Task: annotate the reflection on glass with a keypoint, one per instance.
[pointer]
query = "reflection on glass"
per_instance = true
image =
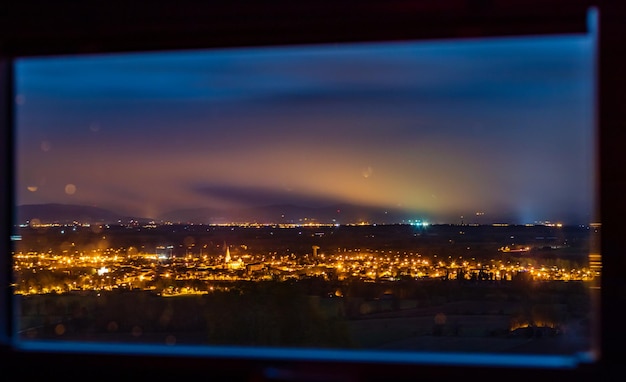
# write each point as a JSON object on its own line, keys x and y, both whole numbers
{"x": 398, "y": 196}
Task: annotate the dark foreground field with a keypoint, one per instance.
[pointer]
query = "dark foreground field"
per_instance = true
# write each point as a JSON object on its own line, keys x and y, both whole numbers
{"x": 538, "y": 318}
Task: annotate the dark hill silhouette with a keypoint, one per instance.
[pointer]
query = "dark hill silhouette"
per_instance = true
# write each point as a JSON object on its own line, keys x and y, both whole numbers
{"x": 66, "y": 213}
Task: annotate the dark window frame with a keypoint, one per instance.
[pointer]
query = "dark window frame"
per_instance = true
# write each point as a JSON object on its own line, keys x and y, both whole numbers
{"x": 32, "y": 28}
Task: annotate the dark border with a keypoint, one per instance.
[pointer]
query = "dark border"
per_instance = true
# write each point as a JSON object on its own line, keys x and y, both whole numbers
{"x": 31, "y": 28}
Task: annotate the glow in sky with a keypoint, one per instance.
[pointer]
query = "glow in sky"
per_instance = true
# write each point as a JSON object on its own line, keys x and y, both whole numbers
{"x": 443, "y": 128}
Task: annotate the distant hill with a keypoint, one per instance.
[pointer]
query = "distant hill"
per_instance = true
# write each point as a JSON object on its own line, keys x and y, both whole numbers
{"x": 66, "y": 213}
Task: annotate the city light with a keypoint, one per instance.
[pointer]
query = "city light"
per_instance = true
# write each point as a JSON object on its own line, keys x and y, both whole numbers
{"x": 140, "y": 269}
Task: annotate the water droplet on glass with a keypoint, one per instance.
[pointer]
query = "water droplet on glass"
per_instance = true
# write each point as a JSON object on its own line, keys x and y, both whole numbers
{"x": 45, "y": 146}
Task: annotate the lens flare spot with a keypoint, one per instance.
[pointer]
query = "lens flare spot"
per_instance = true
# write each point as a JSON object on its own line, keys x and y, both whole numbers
{"x": 59, "y": 330}
{"x": 367, "y": 172}
{"x": 112, "y": 326}
{"x": 70, "y": 189}
{"x": 45, "y": 146}
{"x": 32, "y": 188}
{"x": 137, "y": 331}
{"x": 440, "y": 318}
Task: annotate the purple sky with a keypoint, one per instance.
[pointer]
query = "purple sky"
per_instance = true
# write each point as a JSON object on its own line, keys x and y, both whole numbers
{"x": 442, "y": 128}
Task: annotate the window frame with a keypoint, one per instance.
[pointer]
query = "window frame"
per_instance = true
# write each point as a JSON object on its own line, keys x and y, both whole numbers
{"x": 30, "y": 28}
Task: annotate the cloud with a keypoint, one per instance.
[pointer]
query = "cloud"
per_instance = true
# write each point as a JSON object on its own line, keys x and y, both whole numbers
{"x": 259, "y": 196}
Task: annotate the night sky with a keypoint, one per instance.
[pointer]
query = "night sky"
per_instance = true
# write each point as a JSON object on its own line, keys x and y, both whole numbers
{"x": 443, "y": 128}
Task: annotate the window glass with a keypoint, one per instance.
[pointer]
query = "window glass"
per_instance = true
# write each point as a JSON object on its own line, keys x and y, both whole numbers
{"x": 406, "y": 196}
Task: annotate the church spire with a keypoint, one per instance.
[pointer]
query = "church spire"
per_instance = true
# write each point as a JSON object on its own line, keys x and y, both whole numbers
{"x": 227, "y": 258}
